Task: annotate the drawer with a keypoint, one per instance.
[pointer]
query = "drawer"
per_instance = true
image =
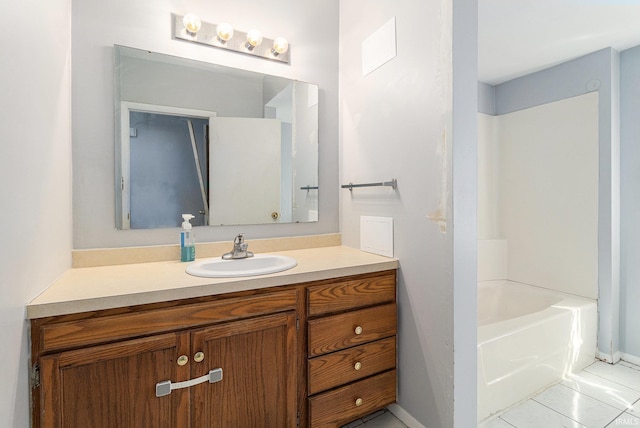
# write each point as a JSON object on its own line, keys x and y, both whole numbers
{"x": 331, "y": 370}
{"x": 336, "y": 332}
{"x": 350, "y": 294}
{"x": 350, "y": 402}
{"x": 92, "y": 331}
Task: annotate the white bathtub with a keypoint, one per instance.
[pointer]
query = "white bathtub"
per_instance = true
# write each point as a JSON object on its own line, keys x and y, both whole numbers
{"x": 528, "y": 338}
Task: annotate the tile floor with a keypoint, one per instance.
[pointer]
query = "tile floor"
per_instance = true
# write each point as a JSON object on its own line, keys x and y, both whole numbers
{"x": 602, "y": 395}
{"x": 381, "y": 419}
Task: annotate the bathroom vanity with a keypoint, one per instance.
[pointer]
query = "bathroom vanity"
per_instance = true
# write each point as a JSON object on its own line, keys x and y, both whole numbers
{"x": 313, "y": 346}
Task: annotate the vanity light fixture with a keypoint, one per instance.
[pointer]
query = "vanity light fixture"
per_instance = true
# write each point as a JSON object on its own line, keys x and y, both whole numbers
{"x": 224, "y": 36}
{"x": 280, "y": 46}
{"x": 224, "y": 32}
{"x": 254, "y": 39}
{"x": 191, "y": 23}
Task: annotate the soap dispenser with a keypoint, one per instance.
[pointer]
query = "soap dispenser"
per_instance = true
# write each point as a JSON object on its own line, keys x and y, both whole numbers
{"x": 187, "y": 241}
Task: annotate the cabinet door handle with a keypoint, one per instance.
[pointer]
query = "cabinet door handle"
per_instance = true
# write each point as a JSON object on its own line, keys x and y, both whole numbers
{"x": 166, "y": 386}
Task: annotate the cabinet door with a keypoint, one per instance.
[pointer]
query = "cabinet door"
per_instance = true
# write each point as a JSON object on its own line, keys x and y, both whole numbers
{"x": 258, "y": 386}
{"x": 115, "y": 385}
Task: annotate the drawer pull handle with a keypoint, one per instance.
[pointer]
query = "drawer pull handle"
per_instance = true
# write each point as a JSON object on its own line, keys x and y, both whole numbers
{"x": 358, "y": 330}
{"x": 198, "y": 357}
{"x": 358, "y": 402}
{"x": 182, "y": 360}
{"x": 357, "y": 365}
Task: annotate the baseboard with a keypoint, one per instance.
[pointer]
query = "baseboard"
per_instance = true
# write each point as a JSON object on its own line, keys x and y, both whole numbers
{"x": 630, "y": 359}
{"x": 607, "y": 357}
{"x": 404, "y": 416}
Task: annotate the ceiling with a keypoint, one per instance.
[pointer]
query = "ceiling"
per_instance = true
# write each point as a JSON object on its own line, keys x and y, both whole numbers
{"x": 518, "y": 37}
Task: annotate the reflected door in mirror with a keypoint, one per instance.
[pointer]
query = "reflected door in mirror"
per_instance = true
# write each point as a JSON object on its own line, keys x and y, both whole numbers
{"x": 244, "y": 173}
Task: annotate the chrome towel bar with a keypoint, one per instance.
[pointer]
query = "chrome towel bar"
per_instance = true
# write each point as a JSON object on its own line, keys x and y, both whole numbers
{"x": 393, "y": 184}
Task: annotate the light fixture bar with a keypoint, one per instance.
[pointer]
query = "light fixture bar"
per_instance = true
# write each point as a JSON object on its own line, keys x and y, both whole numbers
{"x": 207, "y": 35}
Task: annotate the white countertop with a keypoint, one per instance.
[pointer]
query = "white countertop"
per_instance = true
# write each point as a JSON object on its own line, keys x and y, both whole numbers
{"x": 106, "y": 287}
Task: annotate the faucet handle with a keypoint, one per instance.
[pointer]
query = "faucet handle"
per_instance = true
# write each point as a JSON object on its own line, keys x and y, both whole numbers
{"x": 239, "y": 240}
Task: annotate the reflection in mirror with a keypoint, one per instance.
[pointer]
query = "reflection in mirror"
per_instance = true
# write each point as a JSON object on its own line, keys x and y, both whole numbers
{"x": 226, "y": 145}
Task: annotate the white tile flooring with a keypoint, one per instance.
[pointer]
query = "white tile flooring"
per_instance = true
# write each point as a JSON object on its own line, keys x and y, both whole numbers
{"x": 602, "y": 395}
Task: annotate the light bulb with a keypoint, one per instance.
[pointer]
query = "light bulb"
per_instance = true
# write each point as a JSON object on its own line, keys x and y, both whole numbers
{"x": 224, "y": 32}
{"x": 280, "y": 46}
{"x": 254, "y": 38}
{"x": 191, "y": 22}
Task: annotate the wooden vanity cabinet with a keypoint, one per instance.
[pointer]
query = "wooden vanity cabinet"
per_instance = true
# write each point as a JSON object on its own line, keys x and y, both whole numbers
{"x": 351, "y": 348}
{"x": 104, "y": 375}
{"x": 283, "y": 357}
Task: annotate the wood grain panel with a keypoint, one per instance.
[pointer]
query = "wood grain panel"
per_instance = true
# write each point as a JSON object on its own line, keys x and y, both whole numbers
{"x": 259, "y": 384}
{"x": 338, "y": 407}
{"x": 358, "y": 292}
{"x": 114, "y": 385}
{"x": 336, "y": 332}
{"x": 331, "y": 370}
{"x": 105, "y": 329}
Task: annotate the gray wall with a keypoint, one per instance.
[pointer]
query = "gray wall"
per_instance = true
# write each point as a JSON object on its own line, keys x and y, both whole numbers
{"x": 35, "y": 179}
{"x": 145, "y": 81}
{"x": 486, "y": 98}
{"x": 312, "y": 29}
{"x": 596, "y": 71}
{"x": 630, "y": 202}
{"x": 465, "y": 211}
{"x": 414, "y": 119}
{"x": 557, "y": 83}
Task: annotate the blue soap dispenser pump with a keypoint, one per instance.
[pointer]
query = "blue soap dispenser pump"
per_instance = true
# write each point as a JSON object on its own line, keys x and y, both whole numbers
{"x": 187, "y": 241}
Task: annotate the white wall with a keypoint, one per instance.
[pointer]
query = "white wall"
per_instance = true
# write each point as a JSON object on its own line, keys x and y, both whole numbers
{"x": 312, "y": 30}
{"x": 488, "y": 177}
{"x": 548, "y": 194}
{"x": 400, "y": 122}
{"x": 35, "y": 178}
{"x": 492, "y": 247}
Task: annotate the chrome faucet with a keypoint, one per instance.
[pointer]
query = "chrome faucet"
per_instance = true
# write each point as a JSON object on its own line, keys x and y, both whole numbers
{"x": 239, "y": 249}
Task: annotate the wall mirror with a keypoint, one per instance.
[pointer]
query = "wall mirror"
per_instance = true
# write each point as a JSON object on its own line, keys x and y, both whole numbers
{"x": 226, "y": 145}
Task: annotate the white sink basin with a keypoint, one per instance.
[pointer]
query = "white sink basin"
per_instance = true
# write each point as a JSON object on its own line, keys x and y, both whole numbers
{"x": 260, "y": 264}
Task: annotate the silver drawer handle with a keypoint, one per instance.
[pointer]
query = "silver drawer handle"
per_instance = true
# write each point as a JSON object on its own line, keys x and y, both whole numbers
{"x": 166, "y": 386}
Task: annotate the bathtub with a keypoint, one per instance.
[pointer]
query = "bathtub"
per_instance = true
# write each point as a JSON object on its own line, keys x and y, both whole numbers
{"x": 528, "y": 338}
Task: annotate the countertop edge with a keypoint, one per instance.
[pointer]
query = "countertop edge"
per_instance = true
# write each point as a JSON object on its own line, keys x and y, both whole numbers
{"x": 49, "y": 309}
